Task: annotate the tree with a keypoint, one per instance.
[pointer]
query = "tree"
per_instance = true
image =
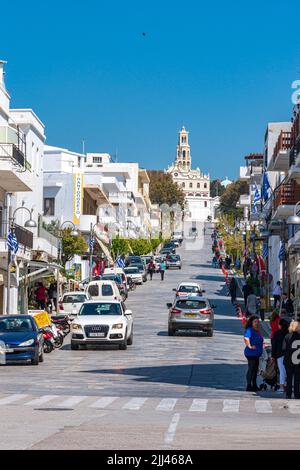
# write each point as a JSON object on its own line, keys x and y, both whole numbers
{"x": 231, "y": 196}
{"x": 216, "y": 189}
{"x": 163, "y": 190}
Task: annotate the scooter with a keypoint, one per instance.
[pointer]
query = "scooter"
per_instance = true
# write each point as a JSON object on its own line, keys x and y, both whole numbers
{"x": 48, "y": 340}
{"x": 58, "y": 336}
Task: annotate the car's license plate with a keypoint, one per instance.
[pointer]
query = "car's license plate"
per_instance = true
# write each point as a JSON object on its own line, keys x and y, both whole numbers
{"x": 96, "y": 335}
{"x": 9, "y": 350}
{"x": 190, "y": 315}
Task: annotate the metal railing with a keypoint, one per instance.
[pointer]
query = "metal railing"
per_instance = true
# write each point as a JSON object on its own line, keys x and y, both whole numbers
{"x": 24, "y": 237}
{"x": 11, "y": 151}
{"x": 286, "y": 194}
{"x": 284, "y": 142}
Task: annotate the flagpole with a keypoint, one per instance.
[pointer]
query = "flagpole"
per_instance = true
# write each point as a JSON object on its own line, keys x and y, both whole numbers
{"x": 10, "y": 227}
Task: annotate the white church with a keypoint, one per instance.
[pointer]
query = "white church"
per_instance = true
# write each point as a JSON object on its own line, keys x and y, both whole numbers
{"x": 195, "y": 185}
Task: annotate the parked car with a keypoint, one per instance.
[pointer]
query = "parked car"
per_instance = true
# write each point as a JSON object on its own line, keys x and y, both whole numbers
{"x": 142, "y": 270}
{"x": 104, "y": 290}
{"x": 164, "y": 252}
{"x": 146, "y": 260}
{"x": 133, "y": 259}
{"x": 102, "y": 322}
{"x": 188, "y": 288}
{"x": 174, "y": 261}
{"x": 22, "y": 338}
{"x": 119, "y": 271}
{"x": 133, "y": 273}
{"x": 117, "y": 278}
{"x": 71, "y": 302}
{"x": 191, "y": 313}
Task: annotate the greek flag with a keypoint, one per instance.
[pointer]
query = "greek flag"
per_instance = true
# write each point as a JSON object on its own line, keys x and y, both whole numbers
{"x": 91, "y": 243}
{"x": 265, "y": 189}
{"x": 120, "y": 263}
{"x": 265, "y": 251}
{"x": 256, "y": 200}
{"x": 281, "y": 253}
{"x": 12, "y": 242}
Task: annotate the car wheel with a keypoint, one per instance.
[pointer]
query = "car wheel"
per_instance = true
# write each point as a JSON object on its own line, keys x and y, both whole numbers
{"x": 179, "y": 267}
{"x": 130, "y": 339}
{"x": 41, "y": 357}
{"x": 74, "y": 346}
{"x": 35, "y": 361}
{"x": 171, "y": 331}
{"x": 123, "y": 346}
{"x": 210, "y": 333}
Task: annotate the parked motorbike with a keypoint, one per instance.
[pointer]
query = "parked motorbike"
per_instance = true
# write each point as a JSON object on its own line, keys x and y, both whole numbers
{"x": 131, "y": 284}
{"x": 58, "y": 335}
{"x": 63, "y": 321}
{"x": 48, "y": 340}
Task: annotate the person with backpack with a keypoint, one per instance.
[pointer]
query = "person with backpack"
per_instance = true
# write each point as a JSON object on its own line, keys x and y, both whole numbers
{"x": 151, "y": 268}
{"x": 278, "y": 353}
{"x": 253, "y": 351}
{"x": 291, "y": 348}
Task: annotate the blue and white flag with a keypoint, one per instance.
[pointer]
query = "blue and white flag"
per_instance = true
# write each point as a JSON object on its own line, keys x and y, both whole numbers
{"x": 120, "y": 263}
{"x": 281, "y": 253}
{"x": 265, "y": 188}
{"x": 265, "y": 251}
{"x": 91, "y": 243}
{"x": 256, "y": 199}
{"x": 12, "y": 242}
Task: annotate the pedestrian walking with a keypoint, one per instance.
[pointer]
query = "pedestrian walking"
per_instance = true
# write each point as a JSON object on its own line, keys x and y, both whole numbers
{"x": 151, "y": 269}
{"x": 277, "y": 293}
{"x": 274, "y": 322}
{"x": 252, "y": 304}
{"x": 246, "y": 291}
{"x": 287, "y": 304}
{"x": 278, "y": 352}
{"x": 215, "y": 262}
{"x": 262, "y": 307}
{"x": 291, "y": 348}
{"x": 238, "y": 264}
{"x": 41, "y": 296}
{"x": 162, "y": 269}
{"x": 253, "y": 350}
{"x": 233, "y": 290}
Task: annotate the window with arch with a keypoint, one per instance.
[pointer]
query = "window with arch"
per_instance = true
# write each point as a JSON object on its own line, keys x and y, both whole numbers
{"x": 198, "y": 185}
{"x": 191, "y": 185}
{"x": 205, "y": 203}
{"x": 205, "y": 185}
{"x": 183, "y": 154}
{"x": 183, "y": 185}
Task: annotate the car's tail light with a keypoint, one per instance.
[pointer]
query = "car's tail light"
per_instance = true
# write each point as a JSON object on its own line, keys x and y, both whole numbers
{"x": 205, "y": 311}
{"x": 175, "y": 310}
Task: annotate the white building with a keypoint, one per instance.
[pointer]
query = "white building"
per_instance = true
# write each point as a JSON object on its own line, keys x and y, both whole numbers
{"x": 194, "y": 183}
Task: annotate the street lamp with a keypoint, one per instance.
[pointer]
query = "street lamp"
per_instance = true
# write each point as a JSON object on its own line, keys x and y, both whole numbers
{"x": 74, "y": 233}
{"x": 91, "y": 245}
{"x": 294, "y": 219}
{"x": 30, "y": 223}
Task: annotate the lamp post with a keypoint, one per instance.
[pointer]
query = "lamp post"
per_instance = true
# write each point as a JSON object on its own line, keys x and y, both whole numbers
{"x": 30, "y": 223}
{"x": 74, "y": 233}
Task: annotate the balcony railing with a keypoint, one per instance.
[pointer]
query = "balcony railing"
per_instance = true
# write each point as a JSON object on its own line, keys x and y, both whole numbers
{"x": 287, "y": 194}
{"x": 11, "y": 151}
{"x": 284, "y": 142}
{"x": 43, "y": 233}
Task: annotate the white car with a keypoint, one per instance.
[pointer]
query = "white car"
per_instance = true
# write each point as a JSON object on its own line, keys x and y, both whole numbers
{"x": 71, "y": 302}
{"x": 188, "y": 288}
{"x": 134, "y": 274}
{"x": 103, "y": 290}
{"x": 102, "y": 322}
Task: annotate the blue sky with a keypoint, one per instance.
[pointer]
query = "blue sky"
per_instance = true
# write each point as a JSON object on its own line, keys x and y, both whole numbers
{"x": 223, "y": 69}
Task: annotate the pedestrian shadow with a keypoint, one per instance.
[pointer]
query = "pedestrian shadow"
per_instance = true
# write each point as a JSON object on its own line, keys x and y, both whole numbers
{"x": 218, "y": 376}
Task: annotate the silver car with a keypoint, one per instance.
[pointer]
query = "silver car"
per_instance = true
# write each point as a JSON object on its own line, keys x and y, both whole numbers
{"x": 191, "y": 313}
{"x": 174, "y": 261}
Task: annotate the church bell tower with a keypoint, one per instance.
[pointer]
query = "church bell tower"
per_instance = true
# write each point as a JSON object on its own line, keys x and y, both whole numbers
{"x": 183, "y": 155}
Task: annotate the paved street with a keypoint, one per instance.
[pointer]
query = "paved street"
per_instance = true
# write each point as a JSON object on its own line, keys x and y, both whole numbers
{"x": 182, "y": 392}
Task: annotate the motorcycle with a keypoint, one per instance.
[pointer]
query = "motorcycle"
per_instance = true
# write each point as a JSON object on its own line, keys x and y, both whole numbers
{"x": 64, "y": 322}
{"x": 58, "y": 335}
{"x": 48, "y": 340}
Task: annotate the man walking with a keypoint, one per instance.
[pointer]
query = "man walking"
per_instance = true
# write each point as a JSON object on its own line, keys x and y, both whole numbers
{"x": 162, "y": 269}
{"x": 277, "y": 293}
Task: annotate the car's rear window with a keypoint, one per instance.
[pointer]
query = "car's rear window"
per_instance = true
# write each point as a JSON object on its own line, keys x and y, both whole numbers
{"x": 107, "y": 290}
{"x": 133, "y": 270}
{"x": 74, "y": 299}
{"x": 193, "y": 289}
{"x": 93, "y": 290}
{"x": 191, "y": 304}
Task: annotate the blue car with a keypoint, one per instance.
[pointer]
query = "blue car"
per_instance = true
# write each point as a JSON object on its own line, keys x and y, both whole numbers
{"x": 20, "y": 339}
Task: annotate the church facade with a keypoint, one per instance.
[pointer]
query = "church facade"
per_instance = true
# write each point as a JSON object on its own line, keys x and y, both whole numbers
{"x": 195, "y": 185}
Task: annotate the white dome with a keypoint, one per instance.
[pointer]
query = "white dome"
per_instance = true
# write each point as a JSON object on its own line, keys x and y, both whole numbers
{"x": 226, "y": 182}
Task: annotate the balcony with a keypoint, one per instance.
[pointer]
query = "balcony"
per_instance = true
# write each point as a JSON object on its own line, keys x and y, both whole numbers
{"x": 244, "y": 173}
{"x": 284, "y": 199}
{"x": 280, "y": 160}
{"x": 24, "y": 237}
{"x": 122, "y": 197}
{"x": 13, "y": 165}
{"x": 256, "y": 172}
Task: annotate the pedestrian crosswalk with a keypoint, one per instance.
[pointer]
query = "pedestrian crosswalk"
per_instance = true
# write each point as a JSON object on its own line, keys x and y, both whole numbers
{"x": 164, "y": 405}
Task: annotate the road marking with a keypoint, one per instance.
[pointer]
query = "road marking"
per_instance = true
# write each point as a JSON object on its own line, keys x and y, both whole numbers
{"x": 294, "y": 408}
{"x": 135, "y": 403}
{"x": 12, "y": 399}
{"x": 199, "y": 405}
{"x": 170, "y": 434}
{"x": 103, "y": 402}
{"x": 231, "y": 406}
{"x": 72, "y": 401}
{"x": 41, "y": 400}
{"x": 263, "y": 406}
{"x": 166, "y": 404}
